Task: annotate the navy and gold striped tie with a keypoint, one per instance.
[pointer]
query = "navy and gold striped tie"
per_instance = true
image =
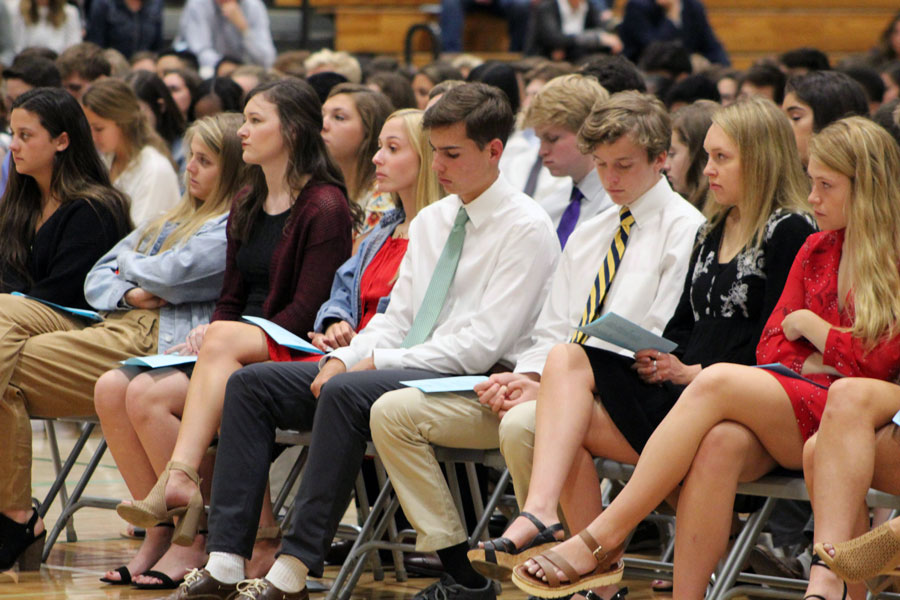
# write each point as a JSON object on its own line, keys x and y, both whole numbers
{"x": 606, "y": 274}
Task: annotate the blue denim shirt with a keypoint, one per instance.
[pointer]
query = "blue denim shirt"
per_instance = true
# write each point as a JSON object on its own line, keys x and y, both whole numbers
{"x": 343, "y": 304}
{"x": 188, "y": 277}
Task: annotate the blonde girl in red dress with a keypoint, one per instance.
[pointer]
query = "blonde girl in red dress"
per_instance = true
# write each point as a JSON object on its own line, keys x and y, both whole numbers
{"x": 836, "y": 317}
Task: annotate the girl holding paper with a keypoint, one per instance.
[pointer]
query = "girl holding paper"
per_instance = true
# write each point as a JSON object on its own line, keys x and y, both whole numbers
{"x": 58, "y": 215}
{"x": 287, "y": 235}
{"x": 836, "y": 317}
{"x": 362, "y": 285}
{"x": 169, "y": 273}
{"x": 594, "y": 402}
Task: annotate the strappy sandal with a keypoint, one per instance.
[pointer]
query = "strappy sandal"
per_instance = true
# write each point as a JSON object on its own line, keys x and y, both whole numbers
{"x": 872, "y": 557}
{"x": 152, "y": 510}
{"x": 606, "y": 572}
{"x": 497, "y": 557}
{"x": 818, "y": 562}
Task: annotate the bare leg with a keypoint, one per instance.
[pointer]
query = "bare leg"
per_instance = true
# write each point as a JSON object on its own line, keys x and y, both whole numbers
{"x": 568, "y": 419}
{"x": 722, "y": 392}
{"x": 843, "y": 461}
{"x": 131, "y": 458}
{"x": 227, "y": 346}
{"x": 728, "y": 454}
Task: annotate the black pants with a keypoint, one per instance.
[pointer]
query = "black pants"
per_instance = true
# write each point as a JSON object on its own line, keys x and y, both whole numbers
{"x": 266, "y": 396}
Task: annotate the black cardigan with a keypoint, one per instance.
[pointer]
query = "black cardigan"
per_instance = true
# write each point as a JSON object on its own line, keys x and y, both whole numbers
{"x": 64, "y": 249}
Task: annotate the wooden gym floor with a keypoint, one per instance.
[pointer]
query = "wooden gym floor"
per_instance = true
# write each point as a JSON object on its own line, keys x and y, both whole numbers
{"x": 73, "y": 569}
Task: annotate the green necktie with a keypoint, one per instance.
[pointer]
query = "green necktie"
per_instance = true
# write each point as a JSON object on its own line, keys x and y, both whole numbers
{"x": 440, "y": 282}
{"x": 605, "y": 276}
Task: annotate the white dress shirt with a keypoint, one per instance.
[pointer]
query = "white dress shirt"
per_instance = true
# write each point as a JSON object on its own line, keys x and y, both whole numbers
{"x": 518, "y": 157}
{"x": 572, "y": 20}
{"x": 648, "y": 281}
{"x": 595, "y": 201}
{"x": 501, "y": 280}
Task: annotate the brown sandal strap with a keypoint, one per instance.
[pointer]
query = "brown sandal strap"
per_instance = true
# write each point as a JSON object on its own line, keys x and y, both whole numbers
{"x": 588, "y": 540}
{"x": 563, "y": 565}
{"x": 549, "y": 569}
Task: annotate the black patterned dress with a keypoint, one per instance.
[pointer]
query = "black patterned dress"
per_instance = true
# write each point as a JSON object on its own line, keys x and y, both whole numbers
{"x": 719, "y": 318}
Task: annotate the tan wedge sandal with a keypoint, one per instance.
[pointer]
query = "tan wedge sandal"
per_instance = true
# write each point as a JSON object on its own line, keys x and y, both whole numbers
{"x": 606, "y": 572}
{"x": 865, "y": 558}
{"x": 152, "y": 510}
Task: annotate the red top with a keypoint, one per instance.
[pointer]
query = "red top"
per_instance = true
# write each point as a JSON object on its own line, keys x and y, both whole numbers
{"x": 315, "y": 242}
{"x": 379, "y": 277}
{"x": 812, "y": 284}
{"x": 376, "y": 282}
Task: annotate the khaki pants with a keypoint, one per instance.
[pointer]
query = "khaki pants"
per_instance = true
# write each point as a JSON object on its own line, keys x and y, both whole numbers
{"x": 404, "y": 424}
{"x": 49, "y": 364}
{"x": 517, "y": 446}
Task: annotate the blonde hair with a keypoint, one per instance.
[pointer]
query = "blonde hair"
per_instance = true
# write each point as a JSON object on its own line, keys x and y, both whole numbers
{"x": 642, "y": 116}
{"x": 867, "y": 154}
{"x": 337, "y": 62}
{"x": 219, "y": 134}
{"x": 427, "y": 188}
{"x": 114, "y": 99}
{"x": 771, "y": 171}
{"x": 565, "y": 101}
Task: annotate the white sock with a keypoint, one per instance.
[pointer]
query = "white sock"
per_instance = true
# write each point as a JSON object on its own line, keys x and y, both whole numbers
{"x": 226, "y": 567}
{"x": 288, "y": 574}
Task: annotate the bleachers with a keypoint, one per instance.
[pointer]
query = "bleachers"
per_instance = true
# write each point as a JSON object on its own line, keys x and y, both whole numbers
{"x": 750, "y": 29}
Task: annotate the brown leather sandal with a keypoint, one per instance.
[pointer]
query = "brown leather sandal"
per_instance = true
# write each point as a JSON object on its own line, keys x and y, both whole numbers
{"x": 550, "y": 586}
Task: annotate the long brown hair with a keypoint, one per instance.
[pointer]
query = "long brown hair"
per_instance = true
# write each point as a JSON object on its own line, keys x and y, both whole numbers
{"x": 56, "y": 13}
{"x": 113, "y": 99}
{"x": 373, "y": 108}
{"x": 300, "y": 114}
{"x": 78, "y": 173}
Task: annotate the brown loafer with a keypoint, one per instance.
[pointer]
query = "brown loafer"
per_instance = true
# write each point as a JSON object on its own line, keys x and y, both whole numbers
{"x": 200, "y": 585}
{"x": 262, "y": 589}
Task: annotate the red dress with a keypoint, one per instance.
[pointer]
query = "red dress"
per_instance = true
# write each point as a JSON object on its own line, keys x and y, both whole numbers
{"x": 812, "y": 284}
{"x": 376, "y": 282}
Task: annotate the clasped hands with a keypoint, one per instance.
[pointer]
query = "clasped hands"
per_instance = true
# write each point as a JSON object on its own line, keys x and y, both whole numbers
{"x": 502, "y": 391}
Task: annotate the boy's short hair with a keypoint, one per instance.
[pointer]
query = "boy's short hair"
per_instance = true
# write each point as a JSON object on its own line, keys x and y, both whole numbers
{"x": 615, "y": 73}
{"x": 85, "y": 59}
{"x": 642, "y": 116}
{"x": 483, "y": 108}
{"x": 34, "y": 71}
{"x": 565, "y": 101}
{"x": 763, "y": 75}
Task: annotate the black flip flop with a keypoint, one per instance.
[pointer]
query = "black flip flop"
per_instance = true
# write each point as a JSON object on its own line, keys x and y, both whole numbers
{"x": 124, "y": 577}
{"x": 167, "y": 583}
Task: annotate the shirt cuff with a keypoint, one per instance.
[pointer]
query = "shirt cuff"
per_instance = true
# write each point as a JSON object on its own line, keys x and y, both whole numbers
{"x": 389, "y": 358}
{"x": 345, "y": 355}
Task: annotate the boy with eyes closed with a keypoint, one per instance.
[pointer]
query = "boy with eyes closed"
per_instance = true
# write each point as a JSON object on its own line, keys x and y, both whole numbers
{"x": 627, "y": 137}
{"x": 556, "y": 114}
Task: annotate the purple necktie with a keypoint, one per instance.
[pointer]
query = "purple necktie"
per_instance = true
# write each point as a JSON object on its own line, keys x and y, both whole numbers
{"x": 569, "y": 217}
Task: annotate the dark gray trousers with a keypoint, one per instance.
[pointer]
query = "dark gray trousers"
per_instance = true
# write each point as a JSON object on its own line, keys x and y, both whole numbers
{"x": 266, "y": 396}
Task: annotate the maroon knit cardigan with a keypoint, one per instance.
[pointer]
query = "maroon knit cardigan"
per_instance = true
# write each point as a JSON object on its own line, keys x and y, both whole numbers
{"x": 317, "y": 239}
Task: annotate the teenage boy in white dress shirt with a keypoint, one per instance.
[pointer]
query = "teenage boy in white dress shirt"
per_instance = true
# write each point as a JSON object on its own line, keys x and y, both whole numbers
{"x": 645, "y": 289}
{"x": 556, "y": 113}
{"x": 500, "y": 279}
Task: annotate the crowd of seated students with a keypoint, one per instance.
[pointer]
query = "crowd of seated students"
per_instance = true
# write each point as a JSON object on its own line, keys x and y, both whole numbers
{"x": 470, "y": 235}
